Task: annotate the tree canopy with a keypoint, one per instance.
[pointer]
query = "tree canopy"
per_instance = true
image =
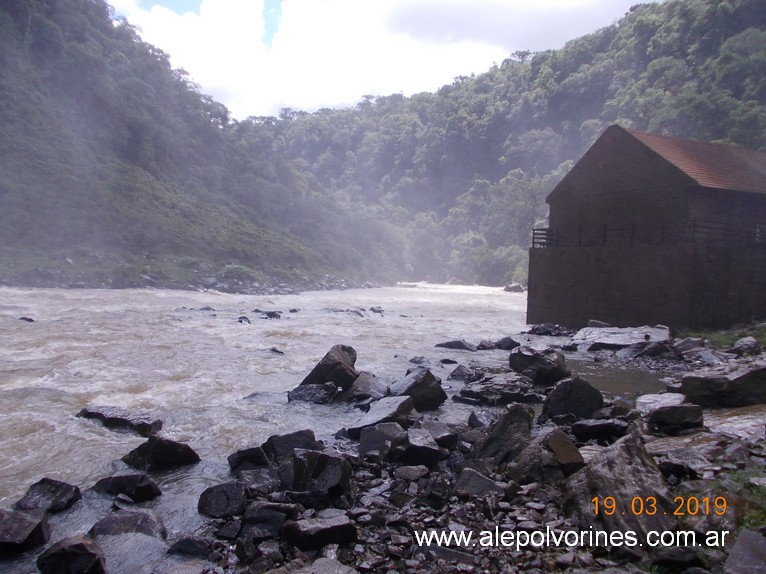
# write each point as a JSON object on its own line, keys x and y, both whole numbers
{"x": 109, "y": 155}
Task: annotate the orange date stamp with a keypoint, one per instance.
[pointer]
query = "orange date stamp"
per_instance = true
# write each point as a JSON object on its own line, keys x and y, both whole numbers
{"x": 648, "y": 506}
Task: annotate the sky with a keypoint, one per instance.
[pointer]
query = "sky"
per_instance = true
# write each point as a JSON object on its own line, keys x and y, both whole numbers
{"x": 259, "y": 56}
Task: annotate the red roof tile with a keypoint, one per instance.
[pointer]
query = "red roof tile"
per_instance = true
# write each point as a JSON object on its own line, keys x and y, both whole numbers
{"x": 711, "y": 165}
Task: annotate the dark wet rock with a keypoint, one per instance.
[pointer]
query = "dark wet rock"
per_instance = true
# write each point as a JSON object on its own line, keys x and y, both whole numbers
{"x": 27, "y": 319}
{"x": 310, "y": 470}
{"x": 673, "y": 419}
{"x": 264, "y": 520}
{"x": 514, "y": 287}
{"x": 463, "y": 374}
{"x": 507, "y": 343}
{"x": 223, "y": 500}
{"x": 279, "y": 447}
{"x": 604, "y": 431}
{"x": 159, "y": 453}
{"x": 139, "y": 487}
{"x": 75, "y": 555}
{"x": 576, "y": 396}
{"x": 243, "y": 320}
{"x": 543, "y": 368}
{"x": 247, "y": 459}
{"x": 599, "y": 338}
{"x": 192, "y": 546}
{"x": 366, "y": 386}
{"x": 318, "y": 394}
{"x": 49, "y": 496}
{"x": 314, "y": 533}
{"x": 656, "y": 350}
{"x": 260, "y": 481}
{"x": 486, "y": 345}
{"x": 272, "y": 315}
{"x": 389, "y": 409}
{"x": 421, "y": 448}
{"x": 21, "y": 531}
{"x": 507, "y": 436}
{"x": 548, "y": 458}
{"x": 424, "y": 388}
{"x": 742, "y": 385}
{"x": 645, "y": 404}
{"x": 677, "y": 558}
{"x": 458, "y": 345}
{"x": 474, "y": 484}
{"x": 337, "y": 367}
{"x": 494, "y": 391}
{"x": 137, "y": 421}
{"x": 127, "y": 522}
{"x": 444, "y": 436}
{"x": 748, "y": 555}
{"x": 381, "y": 439}
{"x": 623, "y": 470}
{"x": 419, "y": 360}
{"x": 481, "y": 418}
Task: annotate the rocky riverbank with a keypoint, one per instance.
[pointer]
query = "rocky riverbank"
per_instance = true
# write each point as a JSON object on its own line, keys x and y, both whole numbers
{"x": 546, "y": 474}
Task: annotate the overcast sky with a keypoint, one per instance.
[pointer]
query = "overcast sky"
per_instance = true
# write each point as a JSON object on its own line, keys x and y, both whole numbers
{"x": 258, "y": 56}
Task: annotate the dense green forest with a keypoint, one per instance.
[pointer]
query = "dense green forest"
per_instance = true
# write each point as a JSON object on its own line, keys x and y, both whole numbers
{"x": 116, "y": 170}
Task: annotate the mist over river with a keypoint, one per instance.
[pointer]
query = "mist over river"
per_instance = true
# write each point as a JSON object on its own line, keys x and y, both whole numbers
{"x": 158, "y": 351}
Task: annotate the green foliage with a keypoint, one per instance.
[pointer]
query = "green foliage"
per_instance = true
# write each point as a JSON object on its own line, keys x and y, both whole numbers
{"x": 105, "y": 148}
{"x": 726, "y": 338}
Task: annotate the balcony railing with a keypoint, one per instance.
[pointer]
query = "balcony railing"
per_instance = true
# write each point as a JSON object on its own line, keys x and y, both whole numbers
{"x": 694, "y": 231}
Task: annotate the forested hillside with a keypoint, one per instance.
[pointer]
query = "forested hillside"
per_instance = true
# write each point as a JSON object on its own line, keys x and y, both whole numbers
{"x": 116, "y": 170}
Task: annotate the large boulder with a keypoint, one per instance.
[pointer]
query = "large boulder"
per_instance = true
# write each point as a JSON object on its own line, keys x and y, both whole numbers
{"x": 278, "y": 447}
{"x": 366, "y": 386}
{"x": 741, "y": 386}
{"x": 49, "y": 496}
{"x": 248, "y": 459}
{"x": 223, "y": 500}
{"x": 389, "y": 409}
{"x": 382, "y": 439}
{"x": 22, "y": 531}
{"x": 322, "y": 394}
{"x": 424, "y": 388}
{"x": 625, "y": 472}
{"x": 314, "y": 471}
{"x": 748, "y": 555}
{"x": 129, "y": 522}
{"x": 543, "y": 368}
{"x": 138, "y": 421}
{"x": 576, "y": 396}
{"x": 139, "y": 487}
{"x": 421, "y": 448}
{"x": 75, "y": 555}
{"x": 337, "y": 367}
{"x": 159, "y": 453}
{"x": 507, "y": 436}
{"x": 673, "y": 419}
{"x": 603, "y": 431}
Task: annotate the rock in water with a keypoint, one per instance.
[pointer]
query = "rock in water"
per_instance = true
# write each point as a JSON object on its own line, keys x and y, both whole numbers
{"x": 389, "y": 409}
{"x": 75, "y": 555}
{"x": 318, "y": 394}
{"x": 50, "y": 496}
{"x": 21, "y": 531}
{"x": 159, "y": 453}
{"x": 337, "y": 366}
{"x": 544, "y": 368}
{"x": 139, "y": 487}
{"x": 576, "y": 396}
{"x": 223, "y": 500}
{"x": 115, "y": 417}
{"x": 424, "y": 388}
{"x": 278, "y": 447}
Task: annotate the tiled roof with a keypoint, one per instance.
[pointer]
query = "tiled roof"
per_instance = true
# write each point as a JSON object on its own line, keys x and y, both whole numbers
{"x": 711, "y": 165}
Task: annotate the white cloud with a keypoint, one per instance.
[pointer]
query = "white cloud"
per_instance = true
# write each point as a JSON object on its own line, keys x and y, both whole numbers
{"x": 329, "y": 53}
